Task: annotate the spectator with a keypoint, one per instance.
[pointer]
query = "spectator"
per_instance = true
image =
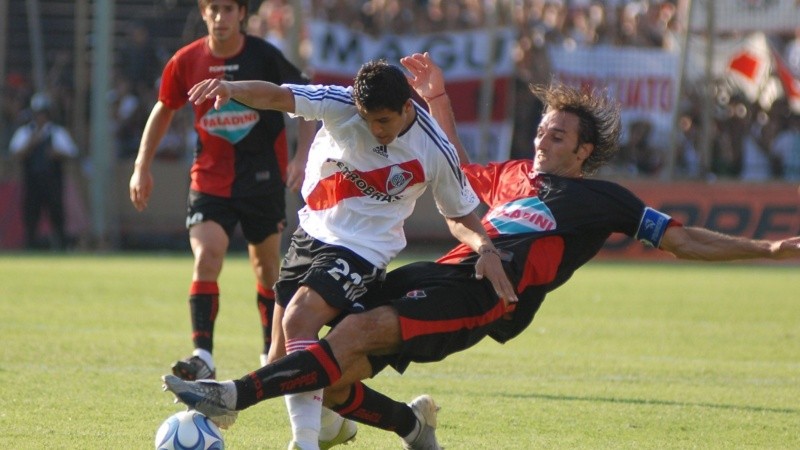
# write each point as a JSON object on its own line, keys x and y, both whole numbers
{"x": 553, "y": 16}
{"x": 647, "y": 159}
{"x": 726, "y": 157}
{"x": 599, "y": 19}
{"x": 654, "y": 24}
{"x": 272, "y": 22}
{"x": 42, "y": 146}
{"x": 129, "y": 117}
{"x": 580, "y": 32}
{"x": 13, "y": 107}
{"x": 687, "y": 158}
{"x": 792, "y": 53}
{"x": 786, "y": 148}
{"x": 395, "y": 16}
{"x": 256, "y": 25}
{"x": 628, "y": 29}
{"x": 757, "y": 162}
{"x": 141, "y": 60}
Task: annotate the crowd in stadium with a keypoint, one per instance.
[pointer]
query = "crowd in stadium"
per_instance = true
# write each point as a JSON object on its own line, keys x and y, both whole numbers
{"x": 748, "y": 142}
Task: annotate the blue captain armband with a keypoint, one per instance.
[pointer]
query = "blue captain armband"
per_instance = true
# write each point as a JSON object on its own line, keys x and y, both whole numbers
{"x": 652, "y": 227}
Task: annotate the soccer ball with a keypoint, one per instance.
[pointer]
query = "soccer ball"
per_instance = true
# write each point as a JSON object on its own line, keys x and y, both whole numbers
{"x": 188, "y": 430}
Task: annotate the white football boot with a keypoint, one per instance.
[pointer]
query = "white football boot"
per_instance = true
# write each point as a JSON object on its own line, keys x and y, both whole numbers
{"x": 426, "y": 410}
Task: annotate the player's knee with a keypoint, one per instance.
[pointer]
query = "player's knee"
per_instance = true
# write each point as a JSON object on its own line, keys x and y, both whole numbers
{"x": 207, "y": 265}
{"x": 304, "y": 317}
{"x": 372, "y": 331}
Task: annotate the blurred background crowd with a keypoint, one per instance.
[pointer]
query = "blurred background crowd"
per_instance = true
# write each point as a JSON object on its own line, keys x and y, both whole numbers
{"x": 749, "y": 141}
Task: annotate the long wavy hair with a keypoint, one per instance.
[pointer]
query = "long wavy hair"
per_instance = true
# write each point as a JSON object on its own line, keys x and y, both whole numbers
{"x": 598, "y": 119}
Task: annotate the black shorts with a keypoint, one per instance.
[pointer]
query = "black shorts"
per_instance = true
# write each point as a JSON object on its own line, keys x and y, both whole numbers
{"x": 443, "y": 309}
{"x": 259, "y": 216}
{"x": 340, "y": 276}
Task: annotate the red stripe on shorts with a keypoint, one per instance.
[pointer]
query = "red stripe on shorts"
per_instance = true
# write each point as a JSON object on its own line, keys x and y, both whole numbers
{"x": 411, "y": 328}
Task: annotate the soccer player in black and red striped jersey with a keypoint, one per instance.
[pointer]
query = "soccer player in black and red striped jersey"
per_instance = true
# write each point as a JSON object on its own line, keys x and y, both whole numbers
{"x": 546, "y": 219}
{"x": 240, "y": 171}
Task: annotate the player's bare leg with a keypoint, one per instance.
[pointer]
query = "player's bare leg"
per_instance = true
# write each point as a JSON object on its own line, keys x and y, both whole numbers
{"x": 209, "y": 244}
{"x": 265, "y": 261}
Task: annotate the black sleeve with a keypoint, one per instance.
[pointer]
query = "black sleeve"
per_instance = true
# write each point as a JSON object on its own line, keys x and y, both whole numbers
{"x": 288, "y": 72}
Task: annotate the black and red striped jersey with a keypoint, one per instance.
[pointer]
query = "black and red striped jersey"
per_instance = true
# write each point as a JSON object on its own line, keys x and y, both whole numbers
{"x": 547, "y": 226}
{"x": 241, "y": 152}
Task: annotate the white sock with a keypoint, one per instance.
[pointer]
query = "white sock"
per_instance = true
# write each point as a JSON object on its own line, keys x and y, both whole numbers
{"x": 411, "y": 437}
{"x": 331, "y": 423}
{"x": 305, "y": 408}
{"x": 205, "y": 355}
{"x": 305, "y": 413}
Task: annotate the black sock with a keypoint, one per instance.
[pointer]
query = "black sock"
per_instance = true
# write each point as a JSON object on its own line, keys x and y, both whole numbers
{"x": 306, "y": 370}
{"x": 265, "y": 300}
{"x": 370, "y": 407}
{"x": 204, "y": 305}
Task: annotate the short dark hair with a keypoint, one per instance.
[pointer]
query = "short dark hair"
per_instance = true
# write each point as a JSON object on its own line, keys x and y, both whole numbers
{"x": 380, "y": 85}
{"x": 202, "y": 3}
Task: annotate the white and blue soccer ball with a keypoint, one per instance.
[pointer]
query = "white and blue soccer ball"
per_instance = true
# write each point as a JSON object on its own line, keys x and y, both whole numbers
{"x": 188, "y": 430}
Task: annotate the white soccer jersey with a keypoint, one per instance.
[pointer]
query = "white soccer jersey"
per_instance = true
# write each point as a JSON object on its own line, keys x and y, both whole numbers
{"x": 358, "y": 192}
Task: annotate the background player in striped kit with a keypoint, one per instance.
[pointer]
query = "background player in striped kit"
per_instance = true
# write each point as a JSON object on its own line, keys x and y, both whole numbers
{"x": 239, "y": 173}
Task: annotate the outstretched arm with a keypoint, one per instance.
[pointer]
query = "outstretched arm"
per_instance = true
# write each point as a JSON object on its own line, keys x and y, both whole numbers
{"x": 428, "y": 81}
{"x": 256, "y": 94}
{"x": 703, "y": 244}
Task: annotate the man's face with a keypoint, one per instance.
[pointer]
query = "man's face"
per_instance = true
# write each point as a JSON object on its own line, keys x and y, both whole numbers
{"x": 386, "y": 124}
{"x": 223, "y": 18}
{"x": 556, "y": 149}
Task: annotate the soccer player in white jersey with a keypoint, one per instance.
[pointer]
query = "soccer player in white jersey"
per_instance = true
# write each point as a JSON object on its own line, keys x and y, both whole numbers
{"x": 376, "y": 153}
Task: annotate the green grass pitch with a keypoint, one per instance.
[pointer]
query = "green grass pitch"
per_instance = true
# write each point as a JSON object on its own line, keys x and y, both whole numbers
{"x": 624, "y": 356}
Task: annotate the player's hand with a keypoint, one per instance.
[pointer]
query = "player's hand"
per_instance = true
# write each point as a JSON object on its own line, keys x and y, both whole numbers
{"x": 212, "y": 88}
{"x": 295, "y": 173}
{"x": 426, "y": 77}
{"x": 140, "y": 187}
{"x": 786, "y": 248}
{"x": 490, "y": 266}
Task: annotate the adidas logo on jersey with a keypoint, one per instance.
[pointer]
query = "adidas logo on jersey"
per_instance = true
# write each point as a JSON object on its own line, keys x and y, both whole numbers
{"x": 381, "y": 150}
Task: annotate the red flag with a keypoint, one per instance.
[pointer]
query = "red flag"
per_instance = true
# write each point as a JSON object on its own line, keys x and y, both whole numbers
{"x": 749, "y": 65}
